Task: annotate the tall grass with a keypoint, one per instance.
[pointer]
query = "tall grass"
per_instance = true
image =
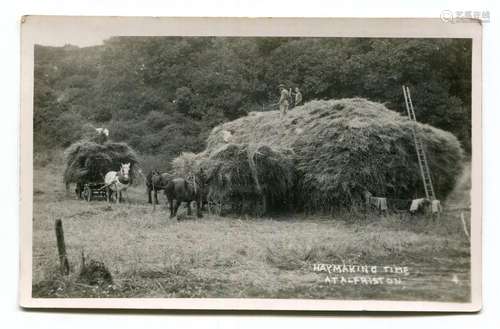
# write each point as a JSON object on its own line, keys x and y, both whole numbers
{"x": 150, "y": 255}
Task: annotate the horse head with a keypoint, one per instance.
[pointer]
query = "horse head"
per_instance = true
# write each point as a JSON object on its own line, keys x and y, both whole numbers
{"x": 123, "y": 175}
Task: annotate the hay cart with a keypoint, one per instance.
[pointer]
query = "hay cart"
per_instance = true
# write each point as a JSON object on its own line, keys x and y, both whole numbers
{"x": 94, "y": 190}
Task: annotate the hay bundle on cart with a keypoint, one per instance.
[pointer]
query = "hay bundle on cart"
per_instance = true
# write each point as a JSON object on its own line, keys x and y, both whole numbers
{"x": 340, "y": 148}
{"x": 88, "y": 161}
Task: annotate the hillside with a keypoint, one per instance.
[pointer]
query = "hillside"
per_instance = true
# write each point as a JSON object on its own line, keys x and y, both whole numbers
{"x": 163, "y": 95}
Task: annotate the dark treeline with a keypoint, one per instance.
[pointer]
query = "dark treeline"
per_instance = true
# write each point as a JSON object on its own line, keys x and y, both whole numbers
{"x": 162, "y": 95}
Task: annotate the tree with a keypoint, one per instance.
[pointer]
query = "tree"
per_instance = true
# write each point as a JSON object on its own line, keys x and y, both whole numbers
{"x": 165, "y": 94}
{"x": 184, "y": 100}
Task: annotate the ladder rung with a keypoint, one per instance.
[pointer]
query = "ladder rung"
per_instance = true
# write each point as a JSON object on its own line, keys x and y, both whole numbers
{"x": 419, "y": 147}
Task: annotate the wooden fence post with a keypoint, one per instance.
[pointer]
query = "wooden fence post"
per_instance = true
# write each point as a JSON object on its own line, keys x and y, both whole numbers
{"x": 61, "y": 248}
{"x": 464, "y": 224}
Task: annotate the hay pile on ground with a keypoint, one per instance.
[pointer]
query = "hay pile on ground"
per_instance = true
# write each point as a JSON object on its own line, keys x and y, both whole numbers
{"x": 87, "y": 161}
{"x": 251, "y": 178}
{"x": 340, "y": 149}
{"x": 95, "y": 273}
{"x": 244, "y": 178}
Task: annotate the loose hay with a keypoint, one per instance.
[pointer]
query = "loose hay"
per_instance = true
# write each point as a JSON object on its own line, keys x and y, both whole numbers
{"x": 95, "y": 273}
{"x": 339, "y": 149}
{"x": 248, "y": 178}
{"x": 186, "y": 164}
{"x": 89, "y": 161}
{"x": 251, "y": 177}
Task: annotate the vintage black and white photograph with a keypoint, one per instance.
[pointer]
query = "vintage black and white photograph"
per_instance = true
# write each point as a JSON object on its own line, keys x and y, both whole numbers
{"x": 260, "y": 167}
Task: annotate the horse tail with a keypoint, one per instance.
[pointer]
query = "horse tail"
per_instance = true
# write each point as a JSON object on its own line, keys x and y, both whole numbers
{"x": 169, "y": 190}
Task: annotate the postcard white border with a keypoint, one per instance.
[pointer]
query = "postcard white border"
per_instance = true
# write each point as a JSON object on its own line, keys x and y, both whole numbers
{"x": 45, "y": 29}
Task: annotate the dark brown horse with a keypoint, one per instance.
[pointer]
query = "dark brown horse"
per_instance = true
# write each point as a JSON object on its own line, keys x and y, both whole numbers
{"x": 181, "y": 190}
{"x": 156, "y": 181}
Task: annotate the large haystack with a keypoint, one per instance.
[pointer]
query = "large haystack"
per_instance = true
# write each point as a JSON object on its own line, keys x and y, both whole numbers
{"x": 344, "y": 147}
{"x": 87, "y": 161}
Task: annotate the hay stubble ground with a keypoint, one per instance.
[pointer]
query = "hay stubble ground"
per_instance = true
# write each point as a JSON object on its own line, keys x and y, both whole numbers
{"x": 150, "y": 255}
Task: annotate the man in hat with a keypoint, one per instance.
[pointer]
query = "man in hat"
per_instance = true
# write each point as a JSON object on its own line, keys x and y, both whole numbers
{"x": 298, "y": 97}
{"x": 284, "y": 100}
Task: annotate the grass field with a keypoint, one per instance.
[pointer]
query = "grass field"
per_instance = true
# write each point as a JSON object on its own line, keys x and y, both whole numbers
{"x": 150, "y": 255}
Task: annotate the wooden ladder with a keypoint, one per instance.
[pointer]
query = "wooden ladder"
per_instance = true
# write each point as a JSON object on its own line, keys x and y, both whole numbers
{"x": 419, "y": 147}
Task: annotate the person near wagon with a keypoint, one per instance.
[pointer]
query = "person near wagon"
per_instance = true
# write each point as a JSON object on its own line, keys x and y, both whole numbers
{"x": 284, "y": 100}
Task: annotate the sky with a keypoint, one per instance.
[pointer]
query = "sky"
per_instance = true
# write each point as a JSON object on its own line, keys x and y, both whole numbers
{"x": 59, "y": 31}
{"x": 92, "y": 40}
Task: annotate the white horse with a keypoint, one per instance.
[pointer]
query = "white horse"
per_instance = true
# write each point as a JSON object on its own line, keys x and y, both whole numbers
{"x": 117, "y": 182}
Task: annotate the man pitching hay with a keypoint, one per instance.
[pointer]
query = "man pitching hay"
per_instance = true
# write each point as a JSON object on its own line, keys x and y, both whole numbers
{"x": 284, "y": 100}
{"x": 298, "y": 97}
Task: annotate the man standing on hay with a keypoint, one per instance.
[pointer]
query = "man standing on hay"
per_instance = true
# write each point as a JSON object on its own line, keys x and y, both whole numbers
{"x": 284, "y": 100}
{"x": 298, "y": 97}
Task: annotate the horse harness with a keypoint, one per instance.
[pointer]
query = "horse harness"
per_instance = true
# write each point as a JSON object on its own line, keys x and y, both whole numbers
{"x": 120, "y": 182}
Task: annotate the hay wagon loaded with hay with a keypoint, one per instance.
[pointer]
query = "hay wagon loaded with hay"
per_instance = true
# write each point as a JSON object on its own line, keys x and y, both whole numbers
{"x": 87, "y": 162}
